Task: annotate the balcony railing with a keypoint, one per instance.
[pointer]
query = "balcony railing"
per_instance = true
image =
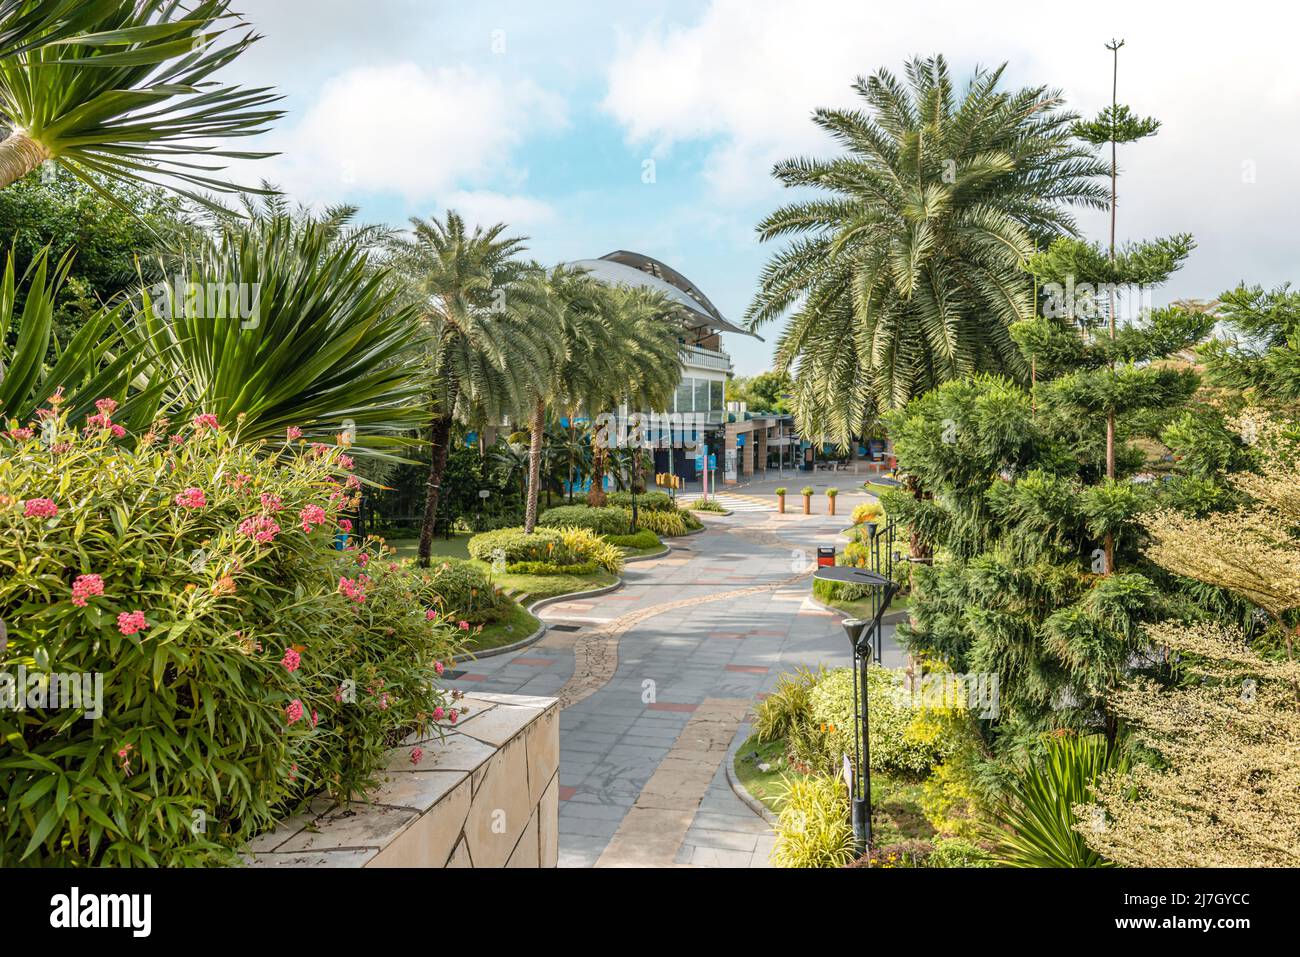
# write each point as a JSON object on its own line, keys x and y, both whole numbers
{"x": 698, "y": 358}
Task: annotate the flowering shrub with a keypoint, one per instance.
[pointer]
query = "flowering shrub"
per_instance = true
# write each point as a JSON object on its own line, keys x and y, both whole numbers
{"x": 239, "y": 674}
{"x": 553, "y": 546}
{"x": 457, "y": 590}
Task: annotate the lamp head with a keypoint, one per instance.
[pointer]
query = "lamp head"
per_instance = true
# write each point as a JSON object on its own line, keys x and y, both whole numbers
{"x": 853, "y": 629}
{"x": 871, "y": 530}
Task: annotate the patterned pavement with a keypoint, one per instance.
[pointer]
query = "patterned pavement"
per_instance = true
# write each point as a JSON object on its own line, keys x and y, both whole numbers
{"x": 657, "y": 681}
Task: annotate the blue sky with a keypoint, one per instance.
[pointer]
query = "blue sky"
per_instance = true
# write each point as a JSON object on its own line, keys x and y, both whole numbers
{"x": 548, "y": 116}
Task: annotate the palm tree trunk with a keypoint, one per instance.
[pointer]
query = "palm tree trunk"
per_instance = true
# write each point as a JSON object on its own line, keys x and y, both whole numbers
{"x": 19, "y": 155}
{"x": 534, "y": 467}
{"x": 439, "y": 439}
{"x": 596, "y": 495}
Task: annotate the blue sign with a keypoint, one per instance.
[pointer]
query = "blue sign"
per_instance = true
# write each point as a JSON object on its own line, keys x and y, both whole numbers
{"x": 699, "y": 463}
{"x": 713, "y": 462}
{"x": 740, "y": 439}
{"x": 471, "y": 439}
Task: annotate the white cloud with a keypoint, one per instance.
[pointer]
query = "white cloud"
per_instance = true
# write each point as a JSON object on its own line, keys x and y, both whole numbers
{"x": 486, "y": 207}
{"x": 405, "y": 130}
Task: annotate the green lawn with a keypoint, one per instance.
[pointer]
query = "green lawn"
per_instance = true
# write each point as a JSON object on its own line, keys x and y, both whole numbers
{"x": 455, "y": 547}
{"x": 515, "y": 625}
{"x": 895, "y": 801}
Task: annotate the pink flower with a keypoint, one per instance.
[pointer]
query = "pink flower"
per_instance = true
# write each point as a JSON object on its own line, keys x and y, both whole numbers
{"x": 294, "y": 433}
{"x": 439, "y": 667}
{"x": 106, "y": 407}
{"x": 345, "y": 461}
{"x": 20, "y": 435}
{"x": 430, "y": 615}
{"x": 98, "y": 422}
{"x": 293, "y": 711}
{"x": 362, "y": 559}
{"x": 192, "y": 498}
{"x": 353, "y": 482}
{"x": 438, "y": 713}
{"x": 271, "y": 503}
{"x": 318, "y": 449}
{"x": 128, "y": 623}
{"x": 452, "y": 716}
{"x": 345, "y": 524}
{"x": 206, "y": 421}
{"x": 178, "y": 439}
{"x": 464, "y": 626}
{"x": 383, "y": 701}
{"x": 311, "y": 516}
{"x": 291, "y": 660}
{"x": 354, "y": 589}
{"x": 84, "y": 587}
{"x": 117, "y": 430}
{"x": 315, "y": 718}
{"x": 417, "y": 754}
{"x": 259, "y": 527}
{"x": 40, "y": 508}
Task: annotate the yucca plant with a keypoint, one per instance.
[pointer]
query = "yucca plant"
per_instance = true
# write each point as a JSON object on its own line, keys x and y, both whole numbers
{"x": 92, "y": 365}
{"x": 285, "y": 324}
{"x": 812, "y": 829}
{"x": 123, "y": 88}
{"x": 1037, "y": 812}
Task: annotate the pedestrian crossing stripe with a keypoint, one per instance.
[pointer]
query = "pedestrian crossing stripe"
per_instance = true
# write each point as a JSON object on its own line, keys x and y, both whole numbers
{"x": 733, "y": 502}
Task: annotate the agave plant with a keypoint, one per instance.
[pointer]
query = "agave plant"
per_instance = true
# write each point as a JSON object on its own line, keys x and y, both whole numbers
{"x": 92, "y": 365}
{"x": 123, "y": 88}
{"x": 283, "y": 324}
{"x": 1038, "y": 810}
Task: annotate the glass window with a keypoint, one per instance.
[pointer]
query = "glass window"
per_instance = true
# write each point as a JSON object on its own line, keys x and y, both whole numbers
{"x": 701, "y": 395}
{"x": 716, "y": 403}
{"x": 684, "y": 395}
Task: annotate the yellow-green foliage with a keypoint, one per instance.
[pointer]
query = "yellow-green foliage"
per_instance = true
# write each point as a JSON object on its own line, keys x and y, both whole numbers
{"x": 867, "y": 512}
{"x": 789, "y": 704}
{"x": 593, "y": 548}
{"x": 662, "y": 522}
{"x": 813, "y": 829}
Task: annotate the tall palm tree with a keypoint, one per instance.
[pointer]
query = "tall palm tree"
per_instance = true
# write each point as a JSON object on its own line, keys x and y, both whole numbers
{"x": 909, "y": 271}
{"x": 487, "y": 349}
{"x": 123, "y": 89}
{"x": 582, "y": 369}
{"x": 649, "y": 367}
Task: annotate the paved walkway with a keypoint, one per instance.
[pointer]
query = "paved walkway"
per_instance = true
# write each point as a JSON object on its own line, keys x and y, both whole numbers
{"x": 657, "y": 681}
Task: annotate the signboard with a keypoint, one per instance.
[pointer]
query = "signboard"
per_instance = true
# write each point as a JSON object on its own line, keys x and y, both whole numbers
{"x": 699, "y": 463}
{"x": 847, "y": 772}
{"x": 713, "y": 462}
{"x": 731, "y": 465}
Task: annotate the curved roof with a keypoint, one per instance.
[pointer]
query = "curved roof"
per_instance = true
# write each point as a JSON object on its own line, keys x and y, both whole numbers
{"x": 623, "y": 268}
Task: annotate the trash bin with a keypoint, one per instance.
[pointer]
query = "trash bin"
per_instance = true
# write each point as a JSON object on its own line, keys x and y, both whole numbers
{"x": 825, "y": 556}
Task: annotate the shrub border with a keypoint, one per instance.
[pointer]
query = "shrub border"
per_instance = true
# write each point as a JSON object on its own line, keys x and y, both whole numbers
{"x": 742, "y": 792}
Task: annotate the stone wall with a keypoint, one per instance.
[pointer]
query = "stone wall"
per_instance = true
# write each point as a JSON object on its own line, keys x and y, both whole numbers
{"x": 487, "y": 795}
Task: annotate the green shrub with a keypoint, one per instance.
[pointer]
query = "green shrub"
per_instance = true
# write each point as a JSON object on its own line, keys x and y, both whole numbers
{"x": 592, "y": 548}
{"x": 790, "y": 703}
{"x": 460, "y": 590}
{"x": 603, "y": 521}
{"x": 895, "y": 743}
{"x": 646, "y": 501}
{"x": 667, "y": 524}
{"x": 707, "y": 505}
{"x": 641, "y": 539}
{"x": 781, "y": 491}
{"x": 832, "y": 492}
{"x": 550, "y": 568}
{"x": 143, "y": 565}
{"x": 514, "y": 545}
{"x": 956, "y": 852}
{"x": 806, "y": 490}
{"x": 812, "y": 828}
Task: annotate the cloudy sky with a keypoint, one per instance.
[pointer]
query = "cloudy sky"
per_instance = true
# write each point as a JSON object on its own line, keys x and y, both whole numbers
{"x": 653, "y": 126}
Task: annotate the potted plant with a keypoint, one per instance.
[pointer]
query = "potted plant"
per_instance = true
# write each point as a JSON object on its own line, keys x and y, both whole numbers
{"x": 780, "y": 500}
{"x": 830, "y": 498}
{"x": 807, "y": 491}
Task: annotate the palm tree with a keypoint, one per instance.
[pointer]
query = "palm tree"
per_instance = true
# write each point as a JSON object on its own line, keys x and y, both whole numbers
{"x": 909, "y": 271}
{"x": 123, "y": 89}
{"x": 486, "y": 348}
{"x": 286, "y": 324}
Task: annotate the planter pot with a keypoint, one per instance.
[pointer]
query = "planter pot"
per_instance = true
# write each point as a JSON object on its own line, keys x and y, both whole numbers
{"x": 780, "y": 504}
{"x": 831, "y": 501}
{"x": 807, "y": 504}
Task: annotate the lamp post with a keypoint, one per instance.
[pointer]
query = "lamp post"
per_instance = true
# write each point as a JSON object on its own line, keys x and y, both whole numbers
{"x": 863, "y": 639}
{"x": 482, "y": 500}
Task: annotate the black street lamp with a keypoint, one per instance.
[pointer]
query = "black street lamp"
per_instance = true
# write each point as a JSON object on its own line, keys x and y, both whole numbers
{"x": 863, "y": 638}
